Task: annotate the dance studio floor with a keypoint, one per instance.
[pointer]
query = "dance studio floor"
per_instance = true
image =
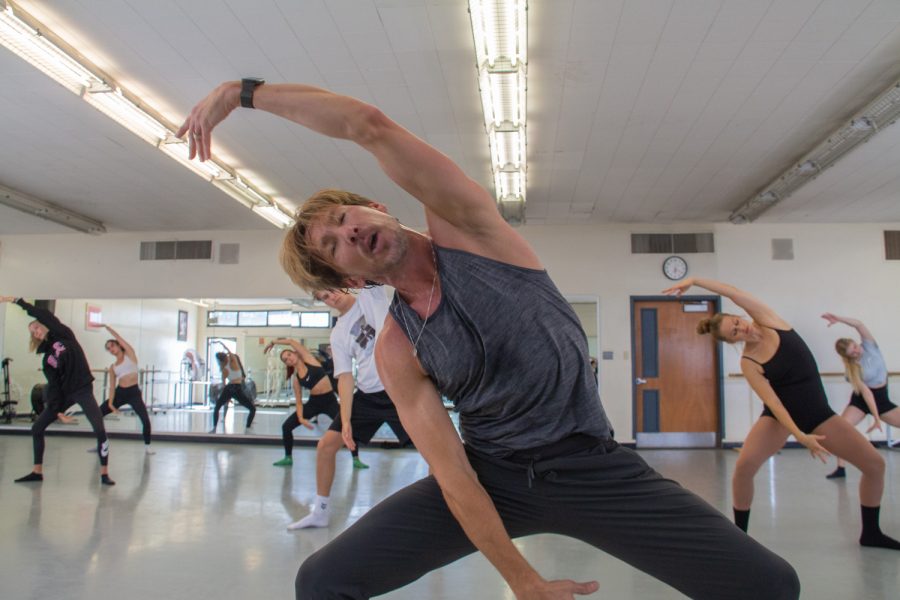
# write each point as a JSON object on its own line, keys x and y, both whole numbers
{"x": 207, "y": 521}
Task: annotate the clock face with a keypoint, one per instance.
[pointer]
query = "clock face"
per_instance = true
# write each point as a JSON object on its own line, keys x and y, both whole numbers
{"x": 675, "y": 268}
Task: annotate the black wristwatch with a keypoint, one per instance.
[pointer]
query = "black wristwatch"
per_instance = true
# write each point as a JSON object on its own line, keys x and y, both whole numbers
{"x": 248, "y": 86}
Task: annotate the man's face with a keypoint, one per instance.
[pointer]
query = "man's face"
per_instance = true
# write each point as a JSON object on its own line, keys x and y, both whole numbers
{"x": 358, "y": 241}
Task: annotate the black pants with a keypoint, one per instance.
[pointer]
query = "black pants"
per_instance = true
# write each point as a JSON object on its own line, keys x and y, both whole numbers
{"x": 233, "y": 391}
{"x": 131, "y": 396}
{"x": 370, "y": 411}
{"x": 607, "y": 497}
{"x": 83, "y": 398}
{"x": 319, "y": 404}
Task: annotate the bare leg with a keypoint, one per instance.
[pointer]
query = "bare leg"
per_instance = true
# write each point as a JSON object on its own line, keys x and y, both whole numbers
{"x": 844, "y": 440}
{"x": 326, "y": 452}
{"x": 853, "y": 416}
{"x": 765, "y": 439}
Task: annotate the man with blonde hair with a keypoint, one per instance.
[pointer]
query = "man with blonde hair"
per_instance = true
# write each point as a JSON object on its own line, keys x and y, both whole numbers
{"x": 476, "y": 318}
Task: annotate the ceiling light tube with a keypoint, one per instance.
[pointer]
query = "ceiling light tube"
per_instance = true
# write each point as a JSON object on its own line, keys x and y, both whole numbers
{"x": 499, "y": 32}
{"x": 274, "y": 215}
{"x": 178, "y": 150}
{"x": 26, "y": 42}
{"x": 48, "y": 211}
{"x": 118, "y": 108}
{"x": 32, "y": 41}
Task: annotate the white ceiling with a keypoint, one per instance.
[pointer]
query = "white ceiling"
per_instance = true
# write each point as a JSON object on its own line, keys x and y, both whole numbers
{"x": 638, "y": 110}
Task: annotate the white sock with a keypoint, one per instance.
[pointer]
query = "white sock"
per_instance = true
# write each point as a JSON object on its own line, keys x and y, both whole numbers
{"x": 317, "y": 518}
{"x": 147, "y": 449}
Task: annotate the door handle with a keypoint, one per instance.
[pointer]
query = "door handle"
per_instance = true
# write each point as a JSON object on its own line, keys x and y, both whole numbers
{"x": 639, "y": 381}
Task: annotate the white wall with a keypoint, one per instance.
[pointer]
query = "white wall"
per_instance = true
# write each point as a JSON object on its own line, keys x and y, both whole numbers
{"x": 838, "y": 268}
{"x": 150, "y": 326}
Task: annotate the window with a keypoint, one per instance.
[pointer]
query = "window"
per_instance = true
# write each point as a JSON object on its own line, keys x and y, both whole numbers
{"x": 222, "y": 318}
{"x": 281, "y": 318}
{"x": 253, "y": 318}
{"x": 268, "y": 318}
{"x": 315, "y": 319}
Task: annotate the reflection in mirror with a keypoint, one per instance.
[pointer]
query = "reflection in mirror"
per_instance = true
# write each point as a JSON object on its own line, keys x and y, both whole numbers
{"x": 176, "y": 341}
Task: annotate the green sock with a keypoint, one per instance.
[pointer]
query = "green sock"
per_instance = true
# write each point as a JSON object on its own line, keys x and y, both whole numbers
{"x": 358, "y": 464}
{"x": 287, "y": 461}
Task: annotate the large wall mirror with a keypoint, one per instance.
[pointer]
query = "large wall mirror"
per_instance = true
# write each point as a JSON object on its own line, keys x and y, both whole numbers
{"x": 175, "y": 341}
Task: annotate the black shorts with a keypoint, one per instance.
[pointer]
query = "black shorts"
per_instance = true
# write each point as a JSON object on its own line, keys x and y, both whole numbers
{"x": 882, "y": 402}
{"x": 807, "y": 415}
{"x": 321, "y": 404}
{"x": 370, "y": 411}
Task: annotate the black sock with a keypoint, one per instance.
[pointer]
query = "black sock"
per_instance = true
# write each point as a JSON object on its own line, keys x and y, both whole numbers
{"x": 871, "y": 531}
{"x": 742, "y": 519}
{"x": 30, "y": 477}
{"x": 837, "y": 473}
{"x": 105, "y": 480}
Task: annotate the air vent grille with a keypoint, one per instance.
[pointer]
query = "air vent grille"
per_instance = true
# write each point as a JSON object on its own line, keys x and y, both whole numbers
{"x": 669, "y": 243}
{"x": 187, "y": 250}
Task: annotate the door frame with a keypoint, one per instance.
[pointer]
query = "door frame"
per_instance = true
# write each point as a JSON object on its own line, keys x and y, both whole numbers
{"x": 717, "y": 305}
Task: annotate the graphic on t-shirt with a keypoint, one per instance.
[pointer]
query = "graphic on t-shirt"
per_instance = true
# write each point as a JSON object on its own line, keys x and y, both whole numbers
{"x": 361, "y": 332}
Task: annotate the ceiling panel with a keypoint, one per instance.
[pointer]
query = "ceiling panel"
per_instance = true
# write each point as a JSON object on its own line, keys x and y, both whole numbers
{"x": 638, "y": 110}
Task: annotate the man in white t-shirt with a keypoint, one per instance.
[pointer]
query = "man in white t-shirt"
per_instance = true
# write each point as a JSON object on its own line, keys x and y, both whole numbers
{"x": 363, "y": 411}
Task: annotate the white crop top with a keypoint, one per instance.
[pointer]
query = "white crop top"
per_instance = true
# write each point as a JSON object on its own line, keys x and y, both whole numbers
{"x": 126, "y": 367}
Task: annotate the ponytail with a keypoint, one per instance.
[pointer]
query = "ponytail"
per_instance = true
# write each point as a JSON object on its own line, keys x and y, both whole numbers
{"x": 712, "y": 325}
{"x": 852, "y": 370}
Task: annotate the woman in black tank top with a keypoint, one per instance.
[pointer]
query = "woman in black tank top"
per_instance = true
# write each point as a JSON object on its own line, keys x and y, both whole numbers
{"x": 782, "y": 371}
{"x": 308, "y": 374}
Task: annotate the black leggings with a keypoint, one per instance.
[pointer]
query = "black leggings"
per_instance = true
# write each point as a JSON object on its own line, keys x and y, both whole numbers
{"x": 233, "y": 391}
{"x": 607, "y": 497}
{"x": 83, "y": 398}
{"x": 319, "y": 404}
{"x": 131, "y": 395}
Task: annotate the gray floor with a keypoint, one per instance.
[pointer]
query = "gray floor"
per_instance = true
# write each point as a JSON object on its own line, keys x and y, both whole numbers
{"x": 207, "y": 521}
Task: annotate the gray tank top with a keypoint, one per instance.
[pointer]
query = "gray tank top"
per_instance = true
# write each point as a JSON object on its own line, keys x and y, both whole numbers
{"x": 508, "y": 350}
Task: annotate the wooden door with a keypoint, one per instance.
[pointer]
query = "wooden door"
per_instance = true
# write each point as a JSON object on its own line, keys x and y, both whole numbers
{"x": 676, "y": 370}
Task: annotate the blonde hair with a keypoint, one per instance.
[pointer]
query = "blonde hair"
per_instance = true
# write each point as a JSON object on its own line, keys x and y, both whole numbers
{"x": 298, "y": 258}
{"x": 851, "y": 367}
{"x": 711, "y": 326}
{"x": 34, "y": 342}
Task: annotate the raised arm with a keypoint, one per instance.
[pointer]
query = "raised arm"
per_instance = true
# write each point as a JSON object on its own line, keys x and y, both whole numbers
{"x": 453, "y": 201}
{"x": 129, "y": 351}
{"x": 758, "y": 311}
{"x": 43, "y": 316}
{"x": 428, "y": 424}
{"x": 856, "y": 324}
{"x": 297, "y": 347}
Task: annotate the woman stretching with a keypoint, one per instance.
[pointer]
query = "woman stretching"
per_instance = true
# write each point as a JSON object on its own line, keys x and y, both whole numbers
{"x": 310, "y": 374}
{"x": 123, "y": 383}
{"x": 69, "y": 382}
{"x": 867, "y": 373}
{"x": 782, "y": 371}
{"x": 233, "y": 378}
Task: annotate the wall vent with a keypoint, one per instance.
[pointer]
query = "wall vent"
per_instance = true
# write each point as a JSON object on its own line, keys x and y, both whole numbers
{"x": 782, "y": 249}
{"x": 672, "y": 243}
{"x": 187, "y": 250}
{"x": 229, "y": 254}
{"x": 892, "y": 245}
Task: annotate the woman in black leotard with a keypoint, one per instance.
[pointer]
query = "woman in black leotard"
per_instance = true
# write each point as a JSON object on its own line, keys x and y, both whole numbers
{"x": 309, "y": 374}
{"x": 782, "y": 371}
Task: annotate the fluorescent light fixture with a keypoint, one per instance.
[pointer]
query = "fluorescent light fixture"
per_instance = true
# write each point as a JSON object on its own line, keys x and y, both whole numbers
{"x": 500, "y": 34}
{"x": 878, "y": 114}
{"x": 274, "y": 215}
{"x": 49, "y": 211}
{"x": 31, "y": 40}
{"x": 117, "y": 107}
{"x": 807, "y": 167}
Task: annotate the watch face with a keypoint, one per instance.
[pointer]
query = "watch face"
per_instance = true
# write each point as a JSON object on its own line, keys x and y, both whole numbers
{"x": 675, "y": 268}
